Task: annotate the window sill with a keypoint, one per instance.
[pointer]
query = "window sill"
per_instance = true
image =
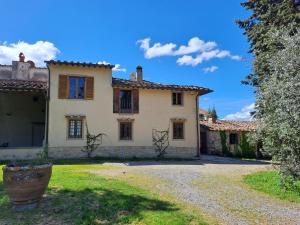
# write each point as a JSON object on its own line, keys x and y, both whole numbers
{"x": 178, "y": 139}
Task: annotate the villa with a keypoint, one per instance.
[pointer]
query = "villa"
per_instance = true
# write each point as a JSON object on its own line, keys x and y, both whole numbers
{"x": 54, "y": 106}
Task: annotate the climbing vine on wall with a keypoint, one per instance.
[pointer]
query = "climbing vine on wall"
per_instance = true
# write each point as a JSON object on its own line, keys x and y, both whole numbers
{"x": 225, "y": 149}
{"x": 92, "y": 142}
{"x": 160, "y": 141}
{"x": 247, "y": 150}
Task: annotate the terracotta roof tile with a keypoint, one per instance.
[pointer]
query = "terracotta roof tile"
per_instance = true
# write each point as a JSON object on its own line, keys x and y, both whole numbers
{"x": 87, "y": 64}
{"x": 117, "y": 82}
{"x": 232, "y": 125}
{"x": 23, "y": 85}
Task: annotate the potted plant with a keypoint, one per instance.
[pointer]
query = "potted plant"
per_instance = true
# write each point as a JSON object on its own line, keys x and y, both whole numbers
{"x": 25, "y": 183}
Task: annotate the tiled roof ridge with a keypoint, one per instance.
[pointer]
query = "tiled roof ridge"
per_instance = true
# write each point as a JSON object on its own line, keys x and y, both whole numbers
{"x": 234, "y": 125}
{"x": 120, "y": 82}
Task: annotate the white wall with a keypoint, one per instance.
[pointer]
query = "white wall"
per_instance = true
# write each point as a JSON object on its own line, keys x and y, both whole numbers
{"x": 155, "y": 111}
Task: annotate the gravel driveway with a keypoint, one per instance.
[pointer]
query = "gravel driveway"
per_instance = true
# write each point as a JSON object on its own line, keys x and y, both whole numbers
{"x": 214, "y": 185}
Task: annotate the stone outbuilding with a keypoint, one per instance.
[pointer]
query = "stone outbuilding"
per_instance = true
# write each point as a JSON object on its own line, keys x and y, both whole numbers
{"x": 211, "y": 129}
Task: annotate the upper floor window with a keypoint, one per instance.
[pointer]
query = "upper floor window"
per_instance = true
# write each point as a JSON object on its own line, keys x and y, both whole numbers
{"x": 233, "y": 139}
{"x": 177, "y": 98}
{"x": 125, "y": 101}
{"x": 76, "y": 87}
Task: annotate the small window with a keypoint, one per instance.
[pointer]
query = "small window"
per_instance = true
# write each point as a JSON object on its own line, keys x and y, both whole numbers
{"x": 76, "y": 87}
{"x": 177, "y": 98}
{"x": 125, "y": 130}
{"x": 75, "y": 128}
{"x": 178, "y": 130}
{"x": 233, "y": 139}
{"x": 125, "y": 101}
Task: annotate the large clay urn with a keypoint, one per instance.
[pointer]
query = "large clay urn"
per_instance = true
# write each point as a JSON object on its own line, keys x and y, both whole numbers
{"x": 25, "y": 185}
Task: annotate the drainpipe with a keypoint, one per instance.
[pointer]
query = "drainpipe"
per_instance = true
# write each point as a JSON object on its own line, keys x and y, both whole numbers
{"x": 197, "y": 124}
{"x": 47, "y": 110}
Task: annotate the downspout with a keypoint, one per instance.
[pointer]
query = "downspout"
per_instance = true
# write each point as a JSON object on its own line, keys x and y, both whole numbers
{"x": 197, "y": 124}
{"x": 47, "y": 111}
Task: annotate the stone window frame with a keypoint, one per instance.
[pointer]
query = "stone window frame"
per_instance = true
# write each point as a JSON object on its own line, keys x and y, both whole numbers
{"x": 183, "y": 122}
{"x": 125, "y": 120}
{"x": 75, "y": 118}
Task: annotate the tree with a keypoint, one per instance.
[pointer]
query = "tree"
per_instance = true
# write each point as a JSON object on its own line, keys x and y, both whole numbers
{"x": 278, "y": 106}
{"x": 267, "y": 16}
{"x": 212, "y": 113}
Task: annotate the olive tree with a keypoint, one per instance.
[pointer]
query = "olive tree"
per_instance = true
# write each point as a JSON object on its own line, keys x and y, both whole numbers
{"x": 278, "y": 106}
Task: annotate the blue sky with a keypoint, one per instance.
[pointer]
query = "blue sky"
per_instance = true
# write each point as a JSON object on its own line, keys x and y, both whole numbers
{"x": 128, "y": 33}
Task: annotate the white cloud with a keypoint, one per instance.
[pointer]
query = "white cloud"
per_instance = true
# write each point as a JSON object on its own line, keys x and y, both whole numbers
{"x": 204, "y": 51}
{"x": 210, "y": 69}
{"x": 188, "y": 60}
{"x": 157, "y": 49}
{"x": 37, "y": 52}
{"x": 236, "y": 57}
{"x": 244, "y": 114}
{"x": 117, "y": 67}
{"x": 195, "y": 45}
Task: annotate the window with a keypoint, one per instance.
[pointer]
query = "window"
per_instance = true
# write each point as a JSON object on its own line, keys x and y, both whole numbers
{"x": 75, "y": 128}
{"x": 125, "y": 101}
{"x": 233, "y": 139}
{"x": 125, "y": 130}
{"x": 76, "y": 87}
{"x": 178, "y": 130}
{"x": 177, "y": 98}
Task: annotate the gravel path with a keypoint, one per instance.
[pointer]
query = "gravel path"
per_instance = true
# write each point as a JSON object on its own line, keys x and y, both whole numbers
{"x": 213, "y": 184}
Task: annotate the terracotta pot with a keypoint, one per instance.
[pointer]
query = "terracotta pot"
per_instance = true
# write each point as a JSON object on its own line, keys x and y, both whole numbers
{"x": 25, "y": 185}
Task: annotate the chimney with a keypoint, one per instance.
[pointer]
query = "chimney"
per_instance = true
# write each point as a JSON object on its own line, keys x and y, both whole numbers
{"x": 139, "y": 73}
{"x": 21, "y": 57}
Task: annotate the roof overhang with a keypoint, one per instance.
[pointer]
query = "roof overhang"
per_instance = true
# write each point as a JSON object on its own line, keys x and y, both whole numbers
{"x": 23, "y": 86}
{"x": 81, "y": 64}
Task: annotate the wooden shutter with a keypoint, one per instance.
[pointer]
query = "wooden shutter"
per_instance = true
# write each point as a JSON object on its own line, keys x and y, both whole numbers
{"x": 63, "y": 87}
{"x": 116, "y": 99}
{"x": 135, "y": 97}
{"x": 89, "y": 88}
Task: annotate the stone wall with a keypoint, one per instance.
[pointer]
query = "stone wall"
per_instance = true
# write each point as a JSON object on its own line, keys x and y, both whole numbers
{"x": 214, "y": 145}
{"x": 122, "y": 152}
{"x": 23, "y": 71}
{"x": 19, "y": 153}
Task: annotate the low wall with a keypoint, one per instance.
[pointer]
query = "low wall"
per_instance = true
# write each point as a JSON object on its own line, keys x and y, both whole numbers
{"x": 19, "y": 153}
{"x": 121, "y": 152}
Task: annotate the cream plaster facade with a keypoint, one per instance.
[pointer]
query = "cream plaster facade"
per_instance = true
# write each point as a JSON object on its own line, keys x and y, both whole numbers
{"x": 155, "y": 112}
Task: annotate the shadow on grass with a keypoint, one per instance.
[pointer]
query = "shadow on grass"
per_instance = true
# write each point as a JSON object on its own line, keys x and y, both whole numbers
{"x": 88, "y": 206}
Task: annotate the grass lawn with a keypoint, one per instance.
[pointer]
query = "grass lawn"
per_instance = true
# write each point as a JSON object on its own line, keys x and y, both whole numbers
{"x": 269, "y": 182}
{"x": 78, "y": 197}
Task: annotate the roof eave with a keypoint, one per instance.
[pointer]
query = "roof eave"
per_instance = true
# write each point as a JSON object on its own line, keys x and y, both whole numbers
{"x": 83, "y": 64}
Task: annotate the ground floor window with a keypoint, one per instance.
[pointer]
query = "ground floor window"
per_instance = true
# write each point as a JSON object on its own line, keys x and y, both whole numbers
{"x": 233, "y": 139}
{"x": 75, "y": 128}
{"x": 178, "y": 130}
{"x": 125, "y": 130}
